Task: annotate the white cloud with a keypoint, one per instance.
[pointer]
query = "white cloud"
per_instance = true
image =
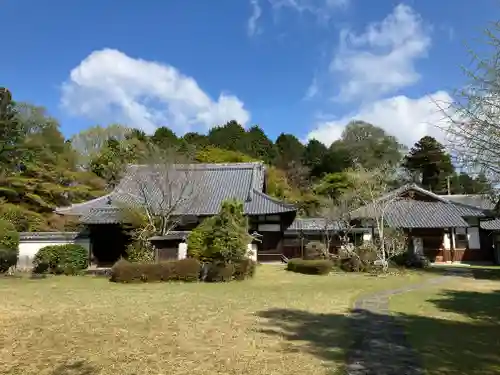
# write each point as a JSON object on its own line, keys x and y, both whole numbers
{"x": 252, "y": 27}
{"x": 381, "y": 60}
{"x": 321, "y": 9}
{"x": 406, "y": 118}
{"x": 109, "y": 86}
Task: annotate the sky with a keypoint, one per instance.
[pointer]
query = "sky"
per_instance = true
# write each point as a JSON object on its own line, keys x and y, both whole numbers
{"x": 305, "y": 67}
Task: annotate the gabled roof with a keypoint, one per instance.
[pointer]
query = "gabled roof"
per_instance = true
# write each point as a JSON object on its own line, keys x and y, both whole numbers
{"x": 205, "y": 187}
{"x": 410, "y": 213}
{"x": 474, "y": 200}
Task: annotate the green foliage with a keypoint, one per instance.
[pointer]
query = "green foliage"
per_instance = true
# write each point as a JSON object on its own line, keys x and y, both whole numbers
{"x": 12, "y": 134}
{"x": 244, "y": 269}
{"x": 223, "y": 237}
{"x": 187, "y": 270}
{"x": 140, "y": 251}
{"x": 310, "y": 267}
{"x": 315, "y": 250}
{"x": 23, "y": 219}
{"x": 333, "y": 185}
{"x": 361, "y": 260}
{"x": 370, "y": 145}
{"x": 69, "y": 259}
{"x": 212, "y": 154}
{"x": 219, "y": 272}
{"x": 429, "y": 161}
{"x": 9, "y": 246}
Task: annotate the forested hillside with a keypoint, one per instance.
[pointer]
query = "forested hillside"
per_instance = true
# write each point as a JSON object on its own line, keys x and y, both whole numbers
{"x": 40, "y": 169}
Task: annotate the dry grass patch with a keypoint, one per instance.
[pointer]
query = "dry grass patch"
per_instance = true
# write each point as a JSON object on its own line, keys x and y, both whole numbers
{"x": 84, "y": 325}
{"x": 455, "y": 327}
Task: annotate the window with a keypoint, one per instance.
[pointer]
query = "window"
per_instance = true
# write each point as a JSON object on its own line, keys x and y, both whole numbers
{"x": 461, "y": 240}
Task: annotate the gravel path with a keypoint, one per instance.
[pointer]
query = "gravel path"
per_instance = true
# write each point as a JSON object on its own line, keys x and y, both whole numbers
{"x": 380, "y": 346}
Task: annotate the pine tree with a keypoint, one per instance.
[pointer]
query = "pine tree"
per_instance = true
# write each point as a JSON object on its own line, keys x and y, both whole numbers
{"x": 430, "y": 164}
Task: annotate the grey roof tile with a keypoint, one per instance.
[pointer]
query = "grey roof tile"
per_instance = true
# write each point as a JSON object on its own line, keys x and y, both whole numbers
{"x": 50, "y": 236}
{"x": 196, "y": 189}
{"x": 490, "y": 224}
{"x": 408, "y": 213}
{"x": 474, "y": 200}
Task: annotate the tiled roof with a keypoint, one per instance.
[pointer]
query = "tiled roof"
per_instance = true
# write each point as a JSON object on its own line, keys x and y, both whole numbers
{"x": 79, "y": 209}
{"x": 474, "y": 200}
{"x": 196, "y": 189}
{"x": 490, "y": 224}
{"x": 408, "y": 213}
{"x": 172, "y": 235}
{"x": 104, "y": 215}
{"x": 50, "y": 236}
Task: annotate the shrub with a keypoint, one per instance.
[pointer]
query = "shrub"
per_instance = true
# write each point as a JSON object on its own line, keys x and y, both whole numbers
{"x": 187, "y": 270}
{"x": 223, "y": 237}
{"x": 316, "y": 250}
{"x": 219, "y": 272}
{"x": 244, "y": 269}
{"x": 409, "y": 260}
{"x": 139, "y": 251}
{"x": 361, "y": 260}
{"x": 69, "y": 259}
{"x": 310, "y": 267}
{"x": 9, "y": 245}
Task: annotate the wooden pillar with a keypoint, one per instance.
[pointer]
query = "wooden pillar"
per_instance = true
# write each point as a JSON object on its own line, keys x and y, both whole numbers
{"x": 452, "y": 244}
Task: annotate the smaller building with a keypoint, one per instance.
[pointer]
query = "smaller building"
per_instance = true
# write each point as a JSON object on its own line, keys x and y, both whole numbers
{"x": 445, "y": 228}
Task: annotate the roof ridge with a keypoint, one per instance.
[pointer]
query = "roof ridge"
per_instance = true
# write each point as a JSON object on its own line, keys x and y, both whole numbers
{"x": 208, "y": 166}
{"x": 83, "y": 203}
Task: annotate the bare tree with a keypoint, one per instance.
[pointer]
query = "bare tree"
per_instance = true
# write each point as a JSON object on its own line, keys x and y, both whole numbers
{"x": 337, "y": 218}
{"x": 473, "y": 118}
{"x": 164, "y": 187}
{"x": 372, "y": 194}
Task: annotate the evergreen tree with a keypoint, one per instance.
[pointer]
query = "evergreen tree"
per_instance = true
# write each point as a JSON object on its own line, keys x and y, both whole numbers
{"x": 430, "y": 164}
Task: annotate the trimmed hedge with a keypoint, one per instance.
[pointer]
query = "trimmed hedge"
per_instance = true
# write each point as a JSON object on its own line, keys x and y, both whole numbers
{"x": 310, "y": 267}
{"x": 187, "y": 270}
{"x": 69, "y": 259}
{"x": 9, "y": 245}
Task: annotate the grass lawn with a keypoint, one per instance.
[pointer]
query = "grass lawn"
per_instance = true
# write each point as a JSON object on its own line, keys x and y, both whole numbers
{"x": 456, "y": 327}
{"x": 87, "y": 326}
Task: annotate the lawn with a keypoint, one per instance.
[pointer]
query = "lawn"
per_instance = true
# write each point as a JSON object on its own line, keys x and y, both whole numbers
{"x": 87, "y": 325}
{"x": 456, "y": 327}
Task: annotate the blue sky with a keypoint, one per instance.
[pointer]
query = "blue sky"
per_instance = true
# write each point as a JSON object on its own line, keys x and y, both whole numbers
{"x": 301, "y": 66}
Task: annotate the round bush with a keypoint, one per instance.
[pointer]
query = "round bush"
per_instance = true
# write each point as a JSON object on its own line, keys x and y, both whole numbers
{"x": 9, "y": 245}
{"x": 69, "y": 259}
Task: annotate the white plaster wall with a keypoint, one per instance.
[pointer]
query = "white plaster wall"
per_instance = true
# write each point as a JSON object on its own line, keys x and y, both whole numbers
{"x": 473, "y": 238}
{"x": 446, "y": 241}
{"x": 28, "y": 249}
{"x": 367, "y": 237}
{"x": 252, "y": 251}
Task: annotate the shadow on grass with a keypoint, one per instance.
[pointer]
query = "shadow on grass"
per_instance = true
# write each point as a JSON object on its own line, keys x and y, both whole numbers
{"x": 375, "y": 341}
{"x": 75, "y": 368}
{"x": 485, "y": 273}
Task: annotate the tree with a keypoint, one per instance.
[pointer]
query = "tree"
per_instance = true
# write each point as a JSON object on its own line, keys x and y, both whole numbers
{"x": 289, "y": 150}
{"x": 231, "y": 136}
{"x": 429, "y": 162}
{"x": 473, "y": 120}
{"x": 163, "y": 187}
{"x": 371, "y": 190}
{"x": 89, "y": 142}
{"x": 315, "y": 153}
{"x": 164, "y": 137}
{"x": 260, "y": 146}
{"x": 370, "y": 146}
{"x": 223, "y": 237}
{"x": 333, "y": 185}
{"x": 12, "y": 133}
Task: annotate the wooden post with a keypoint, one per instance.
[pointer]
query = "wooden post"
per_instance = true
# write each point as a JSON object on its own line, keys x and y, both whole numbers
{"x": 452, "y": 244}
